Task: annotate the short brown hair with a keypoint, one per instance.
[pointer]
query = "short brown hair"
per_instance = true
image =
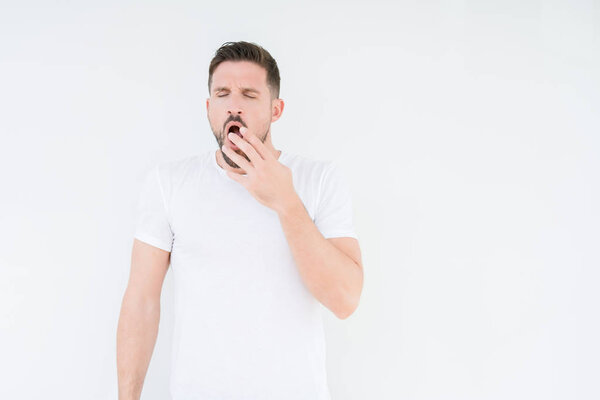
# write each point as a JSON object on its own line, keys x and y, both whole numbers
{"x": 245, "y": 51}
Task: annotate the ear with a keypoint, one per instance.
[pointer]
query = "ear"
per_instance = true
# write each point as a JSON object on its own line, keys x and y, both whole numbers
{"x": 276, "y": 109}
{"x": 207, "y": 103}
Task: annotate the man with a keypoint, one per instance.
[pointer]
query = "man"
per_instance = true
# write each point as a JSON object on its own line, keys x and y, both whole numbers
{"x": 258, "y": 239}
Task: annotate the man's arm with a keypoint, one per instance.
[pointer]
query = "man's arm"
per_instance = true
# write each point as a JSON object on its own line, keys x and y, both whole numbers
{"x": 140, "y": 315}
{"x": 330, "y": 273}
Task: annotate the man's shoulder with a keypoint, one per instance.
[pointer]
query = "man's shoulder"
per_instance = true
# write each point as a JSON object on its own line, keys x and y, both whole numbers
{"x": 307, "y": 162}
{"x": 184, "y": 162}
{"x": 179, "y": 167}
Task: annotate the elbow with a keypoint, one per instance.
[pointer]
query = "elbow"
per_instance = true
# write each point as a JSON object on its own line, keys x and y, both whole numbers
{"x": 347, "y": 311}
{"x": 351, "y": 303}
{"x": 351, "y": 299}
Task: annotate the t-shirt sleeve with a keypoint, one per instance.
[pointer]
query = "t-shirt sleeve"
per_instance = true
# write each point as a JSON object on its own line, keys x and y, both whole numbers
{"x": 152, "y": 222}
{"x": 333, "y": 216}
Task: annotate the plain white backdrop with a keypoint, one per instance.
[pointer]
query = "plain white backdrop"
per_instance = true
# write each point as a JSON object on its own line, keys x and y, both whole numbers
{"x": 470, "y": 133}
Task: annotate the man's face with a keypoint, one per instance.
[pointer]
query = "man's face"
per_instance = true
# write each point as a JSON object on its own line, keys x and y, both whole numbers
{"x": 239, "y": 95}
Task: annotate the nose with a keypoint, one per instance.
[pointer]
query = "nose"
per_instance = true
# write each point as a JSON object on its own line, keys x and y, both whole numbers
{"x": 234, "y": 107}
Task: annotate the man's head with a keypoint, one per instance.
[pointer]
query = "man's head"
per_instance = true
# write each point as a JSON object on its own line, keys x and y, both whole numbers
{"x": 243, "y": 85}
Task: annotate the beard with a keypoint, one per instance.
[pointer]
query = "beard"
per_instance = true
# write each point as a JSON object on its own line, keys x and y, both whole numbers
{"x": 221, "y": 138}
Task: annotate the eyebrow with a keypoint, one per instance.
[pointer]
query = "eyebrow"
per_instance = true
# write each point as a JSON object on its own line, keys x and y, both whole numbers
{"x": 243, "y": 89}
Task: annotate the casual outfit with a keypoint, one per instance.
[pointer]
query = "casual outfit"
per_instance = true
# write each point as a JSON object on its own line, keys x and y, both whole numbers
{"x": 246, "y": 326}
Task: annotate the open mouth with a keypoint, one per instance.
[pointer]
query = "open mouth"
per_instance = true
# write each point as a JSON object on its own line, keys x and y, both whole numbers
{"x": 235, "y": 129}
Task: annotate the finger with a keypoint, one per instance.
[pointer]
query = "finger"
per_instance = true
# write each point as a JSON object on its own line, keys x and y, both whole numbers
{"x": 237, "y": 177}
{"x": 256, "y": 144}
{"x": 246, "y": 147}
{"x": 239, "y": 160}
{"x": 227, "y": 167}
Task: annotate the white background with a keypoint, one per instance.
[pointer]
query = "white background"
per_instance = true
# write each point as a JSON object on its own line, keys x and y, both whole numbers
{"x": 470, "y": 131}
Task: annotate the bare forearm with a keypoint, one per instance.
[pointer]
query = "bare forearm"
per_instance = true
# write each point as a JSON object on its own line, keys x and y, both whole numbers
{"x": 329, "y": 274}
{"x": 136, "y": 337}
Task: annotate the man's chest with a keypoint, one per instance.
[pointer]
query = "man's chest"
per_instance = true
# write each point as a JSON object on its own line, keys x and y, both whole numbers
{"x": 227, "y": 242}
{"x": 226, "y": 219}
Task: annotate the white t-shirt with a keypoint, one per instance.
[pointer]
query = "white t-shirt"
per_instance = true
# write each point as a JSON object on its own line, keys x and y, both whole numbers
{"x": 246, "y": 326}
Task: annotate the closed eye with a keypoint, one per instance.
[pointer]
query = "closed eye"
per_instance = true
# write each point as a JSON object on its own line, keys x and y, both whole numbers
{"x": 223, "y": 95}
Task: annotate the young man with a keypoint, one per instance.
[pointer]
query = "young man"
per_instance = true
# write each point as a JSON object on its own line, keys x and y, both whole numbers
{"x": 258, "y": 239}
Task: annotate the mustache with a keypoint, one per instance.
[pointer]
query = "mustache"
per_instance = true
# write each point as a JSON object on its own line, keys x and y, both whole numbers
{"x": 234, "y": 119}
